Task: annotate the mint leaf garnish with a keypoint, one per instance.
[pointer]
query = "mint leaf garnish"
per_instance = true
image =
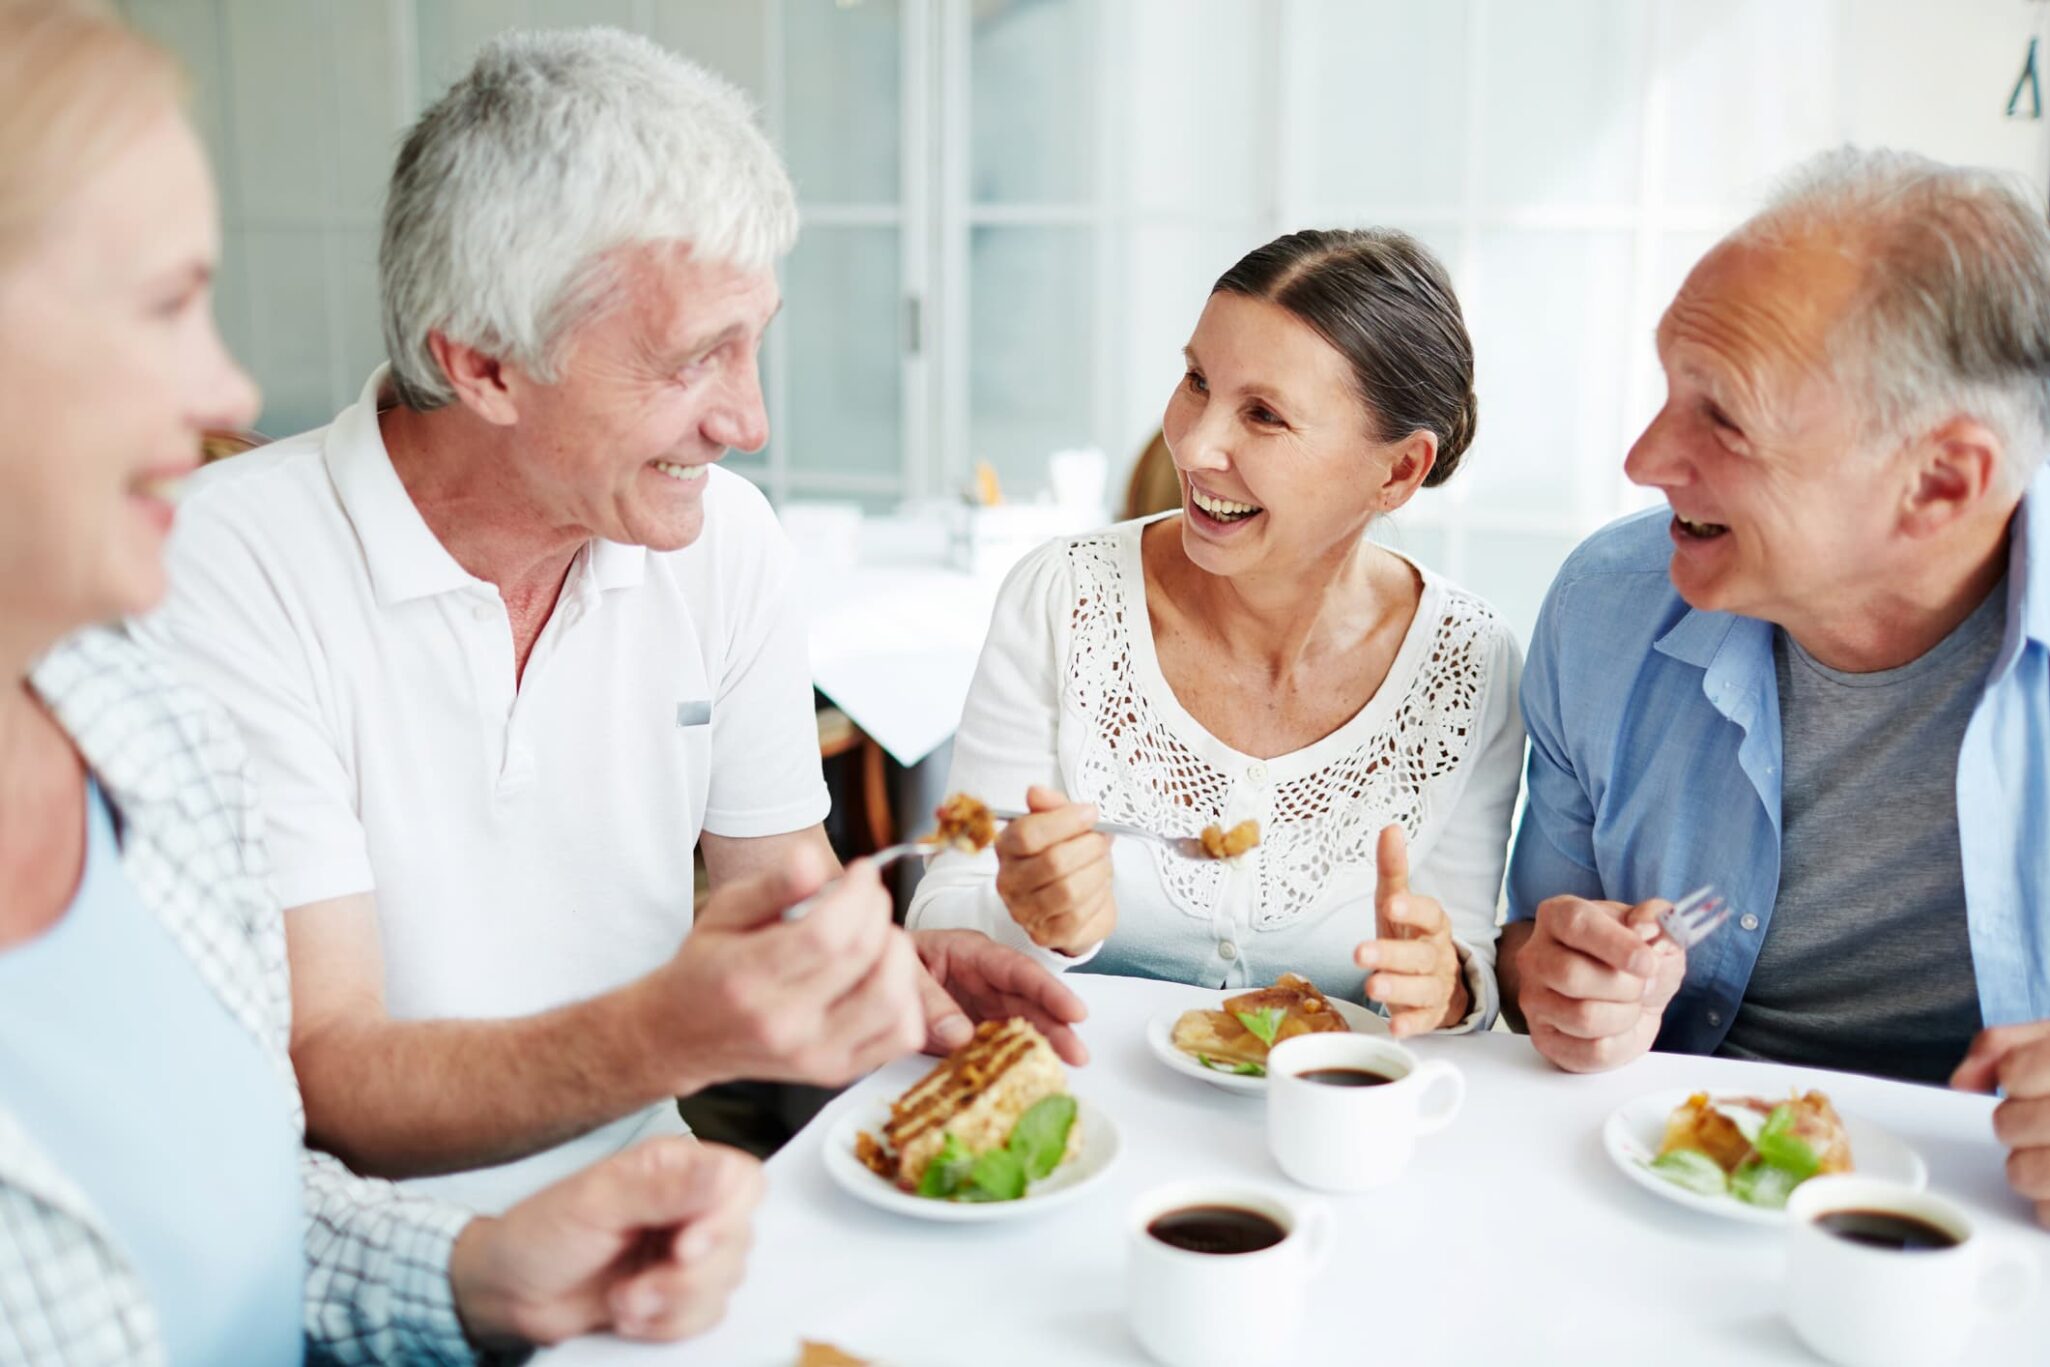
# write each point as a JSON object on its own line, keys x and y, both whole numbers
{"x": 1758, "y": 1183}
{"x": 1692, "y": 1169}
{"x": 1264, "y": 1024}
{"x": 948, "y": 1169}
{"x": 998, "y": 1175}
{"x": 1780, "y": 1148}
{"x": 1040, "y": 1137}
{"x": 1221, "y": 1066}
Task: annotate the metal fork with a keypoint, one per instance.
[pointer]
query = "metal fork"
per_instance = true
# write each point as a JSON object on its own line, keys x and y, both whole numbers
{"x": 1187, "y": 846}
{"x": 882, "y": 859}
{"x": 1694, "y": 917}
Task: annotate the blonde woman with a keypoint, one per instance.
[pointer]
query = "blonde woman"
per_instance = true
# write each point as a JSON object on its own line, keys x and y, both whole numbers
{"x": 156, "y": 1202}
{"x": 1253, "y": 656}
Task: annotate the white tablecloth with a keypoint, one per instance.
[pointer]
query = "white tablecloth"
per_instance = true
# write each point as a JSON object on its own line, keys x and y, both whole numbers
{"x": 1511, "y": 1239}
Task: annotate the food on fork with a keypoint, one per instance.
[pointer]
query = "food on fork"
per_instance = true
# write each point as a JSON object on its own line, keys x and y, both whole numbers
{"x": 1751, "y": 1148}
{"x": 1236, "y": 1038}
{"x": 992, "y": 1118}
{"x": 965, "y": 823}
{"x": 1219, "y": 843}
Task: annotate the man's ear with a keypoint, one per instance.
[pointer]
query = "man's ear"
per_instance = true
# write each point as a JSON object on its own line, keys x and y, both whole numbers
{"x": 1956, "y": 467}
{"x": 480, "y": 381}
{"x": 1414, "y": 456}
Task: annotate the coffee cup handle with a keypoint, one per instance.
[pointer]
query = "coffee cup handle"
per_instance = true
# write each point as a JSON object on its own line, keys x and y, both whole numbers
{"x": 1445, "y": 1081}
{"x": 2008, "y": 1278}
{"x": 1318, "y": 1229}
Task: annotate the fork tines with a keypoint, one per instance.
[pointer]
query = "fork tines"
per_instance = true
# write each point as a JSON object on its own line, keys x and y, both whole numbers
{"x": 1695, "y": 917}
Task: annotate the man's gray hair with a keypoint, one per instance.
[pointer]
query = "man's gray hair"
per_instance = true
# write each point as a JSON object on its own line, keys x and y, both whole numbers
{"x": 513, "y": 192}
{"x": 1953, "y": 313}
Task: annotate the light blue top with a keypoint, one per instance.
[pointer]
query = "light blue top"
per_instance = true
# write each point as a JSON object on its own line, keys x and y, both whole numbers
{"x": 128, "y": 1071}
{"x": 1655, "y": 767}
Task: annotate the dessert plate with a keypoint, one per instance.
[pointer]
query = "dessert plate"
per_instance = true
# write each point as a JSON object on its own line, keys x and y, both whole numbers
{"x": 1633, "y": 1132}
{"x": 1098, "y": 1151}
{"x": 1160, "y": 1038}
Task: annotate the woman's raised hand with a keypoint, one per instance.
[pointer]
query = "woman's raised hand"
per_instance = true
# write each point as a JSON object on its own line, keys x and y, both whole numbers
{"x": 1054, "y": 873}
{"x": 1413, "y": 967}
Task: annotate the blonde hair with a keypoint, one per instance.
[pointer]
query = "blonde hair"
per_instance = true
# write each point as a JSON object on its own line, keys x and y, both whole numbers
{"x": 75, "y": 85}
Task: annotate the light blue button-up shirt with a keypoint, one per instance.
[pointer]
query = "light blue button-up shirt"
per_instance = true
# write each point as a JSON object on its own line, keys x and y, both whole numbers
{"x": 1655, "y": 764}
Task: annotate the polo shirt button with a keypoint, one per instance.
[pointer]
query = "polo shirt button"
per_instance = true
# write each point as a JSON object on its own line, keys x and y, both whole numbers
{"x": 483, "y": 613}
{"x": 1715, "y": 1018}
{"x": 1256, "y": 773}
{"x": 1227, "y": 950}
{"x": 1748, "y": 921}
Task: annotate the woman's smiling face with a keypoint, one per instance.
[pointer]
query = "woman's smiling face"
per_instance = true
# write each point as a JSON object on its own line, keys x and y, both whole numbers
{"x": 1276, "y": 451}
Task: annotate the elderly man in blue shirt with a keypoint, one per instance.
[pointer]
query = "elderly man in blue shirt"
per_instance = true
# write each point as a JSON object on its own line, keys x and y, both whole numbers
{"x": 1819, "y": 678}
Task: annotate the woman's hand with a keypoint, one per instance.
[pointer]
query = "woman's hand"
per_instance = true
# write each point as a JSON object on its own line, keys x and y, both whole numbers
{"x": 1054, "y": 873}
{"x": 1413, "y": 968}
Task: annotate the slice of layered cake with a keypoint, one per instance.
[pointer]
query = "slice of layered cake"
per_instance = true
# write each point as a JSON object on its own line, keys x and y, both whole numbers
{"x": 997, "y": 1103}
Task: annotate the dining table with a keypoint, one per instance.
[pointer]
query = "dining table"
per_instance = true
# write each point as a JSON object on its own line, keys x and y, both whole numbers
{"x": 1512, "y": 1237}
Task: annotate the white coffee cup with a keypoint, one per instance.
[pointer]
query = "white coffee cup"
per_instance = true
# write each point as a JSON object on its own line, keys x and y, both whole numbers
{"x": 1861, "y": 1306}
{"x": 1191, "y": 1309}
{"x": 1352, "y": 1138}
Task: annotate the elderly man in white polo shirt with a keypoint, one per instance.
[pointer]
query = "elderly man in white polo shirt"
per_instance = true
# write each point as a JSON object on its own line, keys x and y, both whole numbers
{"x": 506, "y": 644}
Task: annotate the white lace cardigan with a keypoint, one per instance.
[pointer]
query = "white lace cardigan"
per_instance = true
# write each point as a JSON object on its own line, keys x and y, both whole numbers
{"x": 1069, "y": 693}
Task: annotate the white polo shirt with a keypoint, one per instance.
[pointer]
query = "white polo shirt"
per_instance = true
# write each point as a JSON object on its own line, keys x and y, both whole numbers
{"x": 528, "y": 846}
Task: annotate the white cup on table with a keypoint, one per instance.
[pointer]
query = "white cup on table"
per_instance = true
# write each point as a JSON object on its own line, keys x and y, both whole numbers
{"x": 1192, "y": 1303}
{"x": 1352, "y": 1138}
{"x": 1865, "y": 1304}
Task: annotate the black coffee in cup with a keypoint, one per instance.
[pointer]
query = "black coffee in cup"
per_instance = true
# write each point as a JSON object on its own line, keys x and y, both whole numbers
{"x": 1887, "y": 1229}
{"x": 1345, "y": 1077}
{"x": 1217, "y": 1229}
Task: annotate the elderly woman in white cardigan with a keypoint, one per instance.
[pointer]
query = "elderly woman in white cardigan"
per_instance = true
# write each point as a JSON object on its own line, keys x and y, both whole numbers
{"x": 1254, "y": 656}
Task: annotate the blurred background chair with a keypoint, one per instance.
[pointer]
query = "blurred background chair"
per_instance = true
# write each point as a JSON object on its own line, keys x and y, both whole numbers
{"x": 1154, "y": 486}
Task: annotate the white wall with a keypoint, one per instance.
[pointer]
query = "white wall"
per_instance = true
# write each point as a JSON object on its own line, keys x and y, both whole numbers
{"x": 1569, "y": 158}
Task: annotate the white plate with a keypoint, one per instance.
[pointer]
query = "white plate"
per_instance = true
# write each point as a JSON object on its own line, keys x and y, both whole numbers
{"x": 1635, "y": 1130}
{"x": 1160, "y": 1036}
{"x": 1099, "y": 1150}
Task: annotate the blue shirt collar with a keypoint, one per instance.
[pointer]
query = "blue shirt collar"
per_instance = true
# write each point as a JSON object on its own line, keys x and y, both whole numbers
{"x": 2028, "y": 573}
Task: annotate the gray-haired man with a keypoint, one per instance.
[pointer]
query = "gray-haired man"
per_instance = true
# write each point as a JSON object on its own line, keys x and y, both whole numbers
{"x": 1820, "y": 678}
{"x": 506, "y": 644}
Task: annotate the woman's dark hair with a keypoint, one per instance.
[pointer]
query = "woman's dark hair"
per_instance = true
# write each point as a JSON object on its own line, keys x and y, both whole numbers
{"x": 1386, "y": 304}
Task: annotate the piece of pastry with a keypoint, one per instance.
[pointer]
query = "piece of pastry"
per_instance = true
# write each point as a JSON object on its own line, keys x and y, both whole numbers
{"x": 1219, "y": 843}
{"x": 1713, "y": 1128}
{"x": 973, "y": 1099}
{"x": 1292, "y": 1006}
{"x": 965, "y": 823}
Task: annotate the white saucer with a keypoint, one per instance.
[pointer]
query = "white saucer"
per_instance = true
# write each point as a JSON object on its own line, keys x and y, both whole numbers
{"x": 1160, "y": 1036}
{"x": 1098, "y": 1152}
{"x": 1633, "y": 1132}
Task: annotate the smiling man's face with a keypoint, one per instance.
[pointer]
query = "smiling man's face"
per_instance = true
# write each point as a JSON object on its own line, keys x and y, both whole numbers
{"x": 653, "y": 392}
{"x": 1779, "y": 505}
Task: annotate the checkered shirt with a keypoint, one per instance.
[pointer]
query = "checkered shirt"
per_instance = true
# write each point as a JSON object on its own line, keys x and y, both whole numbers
{"x": 169, "y": 761}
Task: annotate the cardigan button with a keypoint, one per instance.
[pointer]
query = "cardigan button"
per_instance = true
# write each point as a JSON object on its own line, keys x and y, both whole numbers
{"x": 1227, "y": 950}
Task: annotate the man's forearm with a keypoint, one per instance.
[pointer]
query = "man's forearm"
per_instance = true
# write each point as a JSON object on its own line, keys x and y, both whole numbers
{"x": 1508, "y": 976}
{"x": 414, "y": 1098}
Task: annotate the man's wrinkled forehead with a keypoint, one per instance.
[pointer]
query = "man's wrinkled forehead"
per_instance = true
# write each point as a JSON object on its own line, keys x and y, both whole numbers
{"x": 683, "y": 301}
{"x": 1762, "y": 308}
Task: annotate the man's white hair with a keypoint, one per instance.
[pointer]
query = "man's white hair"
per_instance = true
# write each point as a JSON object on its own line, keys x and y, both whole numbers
{"x": 513, "y": 193}
{"x": 1952, "y": 314}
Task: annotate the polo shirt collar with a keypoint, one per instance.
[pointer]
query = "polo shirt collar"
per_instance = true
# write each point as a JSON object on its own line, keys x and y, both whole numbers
{"x": 617, "y": 566}
{"x": 405, "y": 558}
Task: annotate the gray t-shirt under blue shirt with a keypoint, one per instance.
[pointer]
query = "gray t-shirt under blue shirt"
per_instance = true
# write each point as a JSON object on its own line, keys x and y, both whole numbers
{"x": 1867, "y": 963}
